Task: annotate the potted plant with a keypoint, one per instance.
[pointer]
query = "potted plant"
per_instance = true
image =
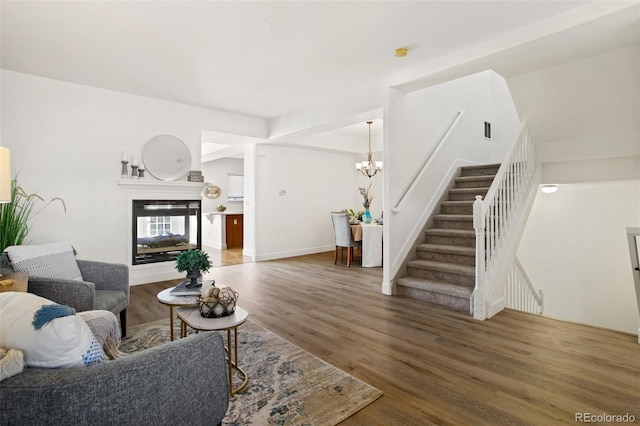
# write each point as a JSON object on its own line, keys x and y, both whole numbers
{"x": 193, "y": 262}
{"x": 15, "y": 215}
{"x": 221, "y": 208}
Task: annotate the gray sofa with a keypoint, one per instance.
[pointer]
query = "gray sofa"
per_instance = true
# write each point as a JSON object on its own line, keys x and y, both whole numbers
{"x": 183, "y": 382}
{"x": 105, "y": 287}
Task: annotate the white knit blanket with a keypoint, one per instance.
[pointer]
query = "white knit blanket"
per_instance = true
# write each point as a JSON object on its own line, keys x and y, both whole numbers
{"x": 11, "y": 362}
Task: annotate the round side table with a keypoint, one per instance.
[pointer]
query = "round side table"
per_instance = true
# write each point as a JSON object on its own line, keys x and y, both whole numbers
{"x": 166, "y": 298}
{"x": 191, "y": 317}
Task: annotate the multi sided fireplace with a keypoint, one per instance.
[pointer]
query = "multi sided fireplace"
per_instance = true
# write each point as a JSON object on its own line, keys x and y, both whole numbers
{"x": 164, "y": 228}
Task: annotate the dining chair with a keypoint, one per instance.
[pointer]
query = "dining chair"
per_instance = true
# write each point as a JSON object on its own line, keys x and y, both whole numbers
{"x": 342, "y": 231}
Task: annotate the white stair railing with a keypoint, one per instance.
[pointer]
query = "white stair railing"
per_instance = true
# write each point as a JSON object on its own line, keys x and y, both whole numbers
{"x": 492, "y": 216}
{"x": 519, "y": 293}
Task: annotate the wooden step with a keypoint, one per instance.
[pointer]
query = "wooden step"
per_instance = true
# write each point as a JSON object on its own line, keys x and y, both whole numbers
{"x": 442, "y": 272}
{"x": 443, "y": 253}
{"x": 451, "y": 237}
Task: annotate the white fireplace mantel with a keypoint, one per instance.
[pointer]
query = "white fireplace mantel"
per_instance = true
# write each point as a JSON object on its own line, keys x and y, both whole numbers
{"x": 158, "y": 189}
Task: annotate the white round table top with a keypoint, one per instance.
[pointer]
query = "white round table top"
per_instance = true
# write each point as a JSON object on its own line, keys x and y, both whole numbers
{"x": 165, "y": 297}
{"x": 192, "y": 317}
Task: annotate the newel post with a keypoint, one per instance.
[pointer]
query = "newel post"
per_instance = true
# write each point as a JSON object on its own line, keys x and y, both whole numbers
{"x": 478, "y": 292}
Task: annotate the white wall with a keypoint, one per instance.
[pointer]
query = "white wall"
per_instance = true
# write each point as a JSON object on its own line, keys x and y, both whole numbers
{"x": 585, "y": 112}
{"x": 574, "y": 248}
{"x": 585, "y": 116}
{"x": 66, "y": 140}
{"x": 415, "y": 123}
{"x": 316, "y": 183}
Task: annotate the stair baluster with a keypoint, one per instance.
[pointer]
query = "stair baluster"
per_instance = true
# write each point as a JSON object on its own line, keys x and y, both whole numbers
{"x": 493, "y": 215}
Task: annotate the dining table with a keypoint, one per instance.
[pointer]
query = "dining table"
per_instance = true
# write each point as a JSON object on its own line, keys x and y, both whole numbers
{"x": 371, "y": 236}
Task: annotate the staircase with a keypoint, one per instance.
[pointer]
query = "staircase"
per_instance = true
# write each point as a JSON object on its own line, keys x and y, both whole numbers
{"x": 444, "y": 270}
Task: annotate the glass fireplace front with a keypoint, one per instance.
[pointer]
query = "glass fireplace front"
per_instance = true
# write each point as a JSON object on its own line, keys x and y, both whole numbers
{"x": 164, "y": 228}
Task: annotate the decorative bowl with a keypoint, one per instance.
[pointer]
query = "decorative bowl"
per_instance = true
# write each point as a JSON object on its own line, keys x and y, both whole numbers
{"x": 220, "y": 302}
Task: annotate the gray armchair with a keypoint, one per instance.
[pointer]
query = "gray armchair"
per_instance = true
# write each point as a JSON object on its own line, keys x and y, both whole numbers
{"x": 105, "y": 287}
{"x": 157, "y": 386}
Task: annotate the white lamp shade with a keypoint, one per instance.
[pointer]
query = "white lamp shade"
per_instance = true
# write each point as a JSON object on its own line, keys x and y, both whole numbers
{"x": 548, "y": 189}
{"x": 5, "y": 175}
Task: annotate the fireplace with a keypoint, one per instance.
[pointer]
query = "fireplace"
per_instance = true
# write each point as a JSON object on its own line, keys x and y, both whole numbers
{"x": 161, "y": 229}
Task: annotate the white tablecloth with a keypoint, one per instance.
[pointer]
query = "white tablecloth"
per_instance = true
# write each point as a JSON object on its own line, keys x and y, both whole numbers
{"x": 371, "y": 245}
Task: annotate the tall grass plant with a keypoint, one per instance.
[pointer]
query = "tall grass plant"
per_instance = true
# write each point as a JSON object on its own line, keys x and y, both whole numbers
{"x": 15, "y": 215}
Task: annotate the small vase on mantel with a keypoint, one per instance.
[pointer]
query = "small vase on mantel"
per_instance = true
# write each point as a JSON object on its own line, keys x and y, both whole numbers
{"x": 366, "y": 216}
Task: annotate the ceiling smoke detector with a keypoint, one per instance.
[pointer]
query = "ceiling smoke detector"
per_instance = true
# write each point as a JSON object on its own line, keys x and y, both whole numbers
{"x": 401, "y": 52}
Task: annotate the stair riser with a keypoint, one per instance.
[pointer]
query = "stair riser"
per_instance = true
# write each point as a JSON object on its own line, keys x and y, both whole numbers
{"x": 466, "y": 225}
{"x": 465, "y": 196}
{"x": 452, "y": 302}
{"x": 479, "y": 171}
{"x": 445, "y": 277}
{"x": 448, "y": 209}
{"x": 484, "y": 183}
{"x": 451, "y": 241}
{"x": 458, "y": 259}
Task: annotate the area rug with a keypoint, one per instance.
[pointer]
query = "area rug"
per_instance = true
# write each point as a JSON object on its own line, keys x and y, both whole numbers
{"x": 287, "y": 385}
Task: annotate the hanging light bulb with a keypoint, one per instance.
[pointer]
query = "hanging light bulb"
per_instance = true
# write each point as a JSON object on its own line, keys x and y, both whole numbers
{"x": 369, "y": 168}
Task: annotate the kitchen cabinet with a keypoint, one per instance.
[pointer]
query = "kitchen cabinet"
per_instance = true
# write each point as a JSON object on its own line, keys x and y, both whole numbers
{"x": 234, "y": 230}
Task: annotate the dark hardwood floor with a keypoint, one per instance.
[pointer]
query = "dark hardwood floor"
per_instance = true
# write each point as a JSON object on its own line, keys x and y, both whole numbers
{"x": 434, "y": 366}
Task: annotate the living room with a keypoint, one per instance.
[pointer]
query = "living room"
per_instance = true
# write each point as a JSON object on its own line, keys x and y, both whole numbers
{"x": 67, "y": 139}
{"x": 67, "y": 133}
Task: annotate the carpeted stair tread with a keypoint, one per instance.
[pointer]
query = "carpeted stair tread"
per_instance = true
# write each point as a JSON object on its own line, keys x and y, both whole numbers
{"x": 480, "y": 170}
{"x": 455, "y": 217}
{"x": 441, "y": 248}
{"x": 481, "y": 178}
{"x": 450, "y": 268}
{"x": 436, "y": 287}
{"x": 458, "y": 203}
{"x": 478, "y": 190}
{"x": 451, "y": 232}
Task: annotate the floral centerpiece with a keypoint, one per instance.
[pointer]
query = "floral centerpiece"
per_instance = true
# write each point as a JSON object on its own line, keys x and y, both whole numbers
{"x": 367, "y": 194}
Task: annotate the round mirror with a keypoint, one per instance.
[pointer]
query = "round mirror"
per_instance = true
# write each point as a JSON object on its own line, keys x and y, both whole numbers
{"x": 166, "y": 157}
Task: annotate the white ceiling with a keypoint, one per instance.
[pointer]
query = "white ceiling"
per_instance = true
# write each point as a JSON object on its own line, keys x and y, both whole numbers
{"x": 265, "y": 59}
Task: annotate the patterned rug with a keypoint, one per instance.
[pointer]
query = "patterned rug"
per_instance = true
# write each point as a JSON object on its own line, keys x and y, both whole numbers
{"x": 287, "y": 386}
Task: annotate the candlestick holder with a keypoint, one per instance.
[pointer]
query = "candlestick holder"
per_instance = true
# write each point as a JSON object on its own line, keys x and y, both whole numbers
{"x": 134, "y": 171}
{"x": 140, "y": 172}
{"x": 123, "y": 173}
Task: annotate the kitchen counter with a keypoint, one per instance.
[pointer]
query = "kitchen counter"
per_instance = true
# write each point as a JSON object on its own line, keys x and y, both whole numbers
{"x": 222, "y": 230}
{"x": 226, "y": 212}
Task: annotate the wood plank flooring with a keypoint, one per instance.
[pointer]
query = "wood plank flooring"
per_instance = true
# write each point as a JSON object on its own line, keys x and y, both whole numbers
{"x": 434, "y": 366}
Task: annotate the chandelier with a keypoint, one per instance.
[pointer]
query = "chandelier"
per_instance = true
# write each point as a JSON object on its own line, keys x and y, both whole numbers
{"x": 369, "y": 168}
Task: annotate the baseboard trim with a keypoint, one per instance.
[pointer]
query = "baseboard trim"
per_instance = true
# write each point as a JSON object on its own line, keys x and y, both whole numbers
{"x": 292, "y": 253}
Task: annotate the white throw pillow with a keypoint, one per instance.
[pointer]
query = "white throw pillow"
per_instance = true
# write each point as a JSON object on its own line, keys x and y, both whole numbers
{"x": 63, "y": 342}
{"x": 52, "y": 260}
